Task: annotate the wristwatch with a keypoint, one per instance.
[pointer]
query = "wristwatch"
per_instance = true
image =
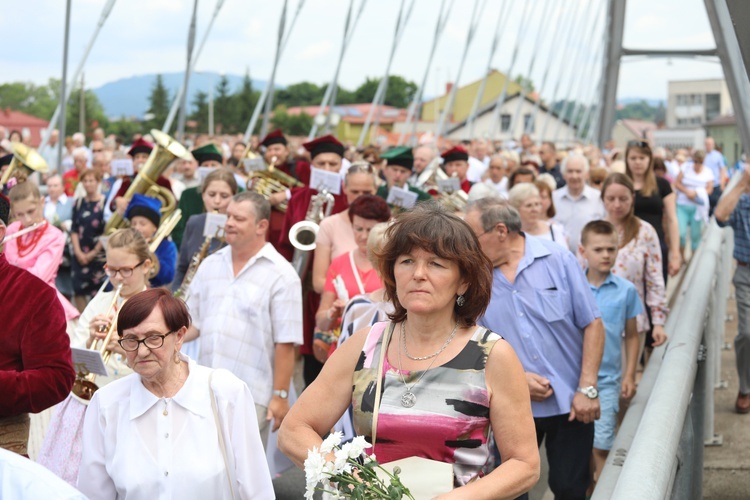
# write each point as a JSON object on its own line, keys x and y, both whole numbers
{"x": 590, "y": 392}
{"x": 283, "y": 394}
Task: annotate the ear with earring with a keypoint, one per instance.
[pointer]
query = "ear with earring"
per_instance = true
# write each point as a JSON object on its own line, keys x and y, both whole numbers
{"x": 177, "y": 357}
{"x": 460, "y": 300}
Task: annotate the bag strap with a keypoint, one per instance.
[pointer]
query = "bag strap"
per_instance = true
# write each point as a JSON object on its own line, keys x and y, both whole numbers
{"x": 355, "y": 271}
{"x": 218, "y": 430}
{"x": 379, "y": 384}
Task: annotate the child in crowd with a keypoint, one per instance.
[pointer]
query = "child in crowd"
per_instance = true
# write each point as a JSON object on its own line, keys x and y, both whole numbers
{"x": 144, "y": 215}
{"x": 619, "y": 304}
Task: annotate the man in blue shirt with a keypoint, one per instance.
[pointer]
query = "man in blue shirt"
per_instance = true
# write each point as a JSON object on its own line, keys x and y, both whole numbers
{"x": 715, "y": 162}
{"x": 734, "y": 210}
{"x": 619, "y": 304}
{"x": 543, "y": 306}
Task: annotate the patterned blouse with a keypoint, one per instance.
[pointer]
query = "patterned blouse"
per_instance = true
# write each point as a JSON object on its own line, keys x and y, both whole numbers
{"x": 450, "y": 420}
{"x": 640, "y": 263}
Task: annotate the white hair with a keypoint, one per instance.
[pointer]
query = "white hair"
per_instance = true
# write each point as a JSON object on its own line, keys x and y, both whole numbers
{"x": 81, "y": 152}
{"x": 522, "y": 192}
{"x": 79, "y": 137}
{"x": 548, "y": 180}
{"x": 573, "y": 155}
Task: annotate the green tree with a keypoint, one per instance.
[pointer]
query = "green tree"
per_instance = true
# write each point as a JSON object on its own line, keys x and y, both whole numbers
{"x": 525, "y": 83}
{"x": 291, "y": 124}
{"x": 159, "y": 104}
{"x": 125, "y": 128}
{"x": 640, "y": 110}
{"x": 200, "y": 111}
{"x": 245, "y": 101}
{"x": 398, "y": 94}
{"x": 223, "y": 107}
{"x": 299, "y": 94}
{"x": 36, "y": 100}
{"x": 94, "y": 113}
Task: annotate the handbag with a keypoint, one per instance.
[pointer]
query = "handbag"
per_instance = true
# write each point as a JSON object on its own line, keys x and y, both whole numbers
{"x": 222, "y": 446}
{"x": 425, "y": 478}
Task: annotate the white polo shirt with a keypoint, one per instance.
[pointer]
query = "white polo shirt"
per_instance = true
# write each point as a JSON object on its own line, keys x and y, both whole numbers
{"x": 242, "y": 317}
{"x": 575, "y": 212}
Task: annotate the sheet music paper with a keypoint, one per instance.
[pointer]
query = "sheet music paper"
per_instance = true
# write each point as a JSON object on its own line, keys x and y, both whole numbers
{"x": 88, "y": 361}
{"x": 254, "y": 164}
{"x": 203, "y": 172}
{"x": 214, "y": 226}
{"x": 401, "y": 197}
{"x": 449, "y": 185}
{"x": 323, "y": 179}
{"x": 123, "y": 167}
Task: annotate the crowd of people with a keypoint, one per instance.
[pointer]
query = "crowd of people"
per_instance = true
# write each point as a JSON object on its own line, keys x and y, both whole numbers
{"x": 461, "y": 303}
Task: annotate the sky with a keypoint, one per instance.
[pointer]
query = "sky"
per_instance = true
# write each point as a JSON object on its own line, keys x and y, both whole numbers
{"x": 149, "y": 36}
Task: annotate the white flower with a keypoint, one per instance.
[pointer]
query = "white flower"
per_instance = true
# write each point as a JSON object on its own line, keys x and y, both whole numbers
{"x": 314, "y": 468}
{"x": 359, "y": 444}
{"x": 332, "y": 440}
{"x": 342, "y": 455}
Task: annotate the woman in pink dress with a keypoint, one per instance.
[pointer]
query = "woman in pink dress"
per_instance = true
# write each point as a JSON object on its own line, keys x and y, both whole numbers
{"x": 39, "y": 251}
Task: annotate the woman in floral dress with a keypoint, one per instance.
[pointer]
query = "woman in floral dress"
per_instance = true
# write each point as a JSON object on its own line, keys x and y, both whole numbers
{"x": 639, "y": 259}
{"x": 88, "y": 226}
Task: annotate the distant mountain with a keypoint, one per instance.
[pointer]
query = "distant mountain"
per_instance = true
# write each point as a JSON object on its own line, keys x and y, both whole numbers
{"x": 651, "y": 102}
{"x": 129, "y": 96}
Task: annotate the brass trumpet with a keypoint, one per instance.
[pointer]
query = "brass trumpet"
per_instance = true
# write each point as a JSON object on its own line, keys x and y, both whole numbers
{"x": 25, "y": 162}
{"x": 271, "y": 181}
{"x": 302, "y": 235}
{"x": 84, "y": 385}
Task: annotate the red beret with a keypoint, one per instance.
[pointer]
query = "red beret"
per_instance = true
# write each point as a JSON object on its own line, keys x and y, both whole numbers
{"x": 456, "y": 154}
{"x": 275, "y": 137}
{"x": 140, "y": 146}
{"x": 325, "y": 144}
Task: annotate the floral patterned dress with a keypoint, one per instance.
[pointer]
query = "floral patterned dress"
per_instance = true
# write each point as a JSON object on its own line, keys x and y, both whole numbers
{"x": 88, "y": 223}
{"x": 640, "y": 262}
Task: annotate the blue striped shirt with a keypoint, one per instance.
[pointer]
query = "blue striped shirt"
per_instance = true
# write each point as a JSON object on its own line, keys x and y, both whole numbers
{"x": 739, "y": 220}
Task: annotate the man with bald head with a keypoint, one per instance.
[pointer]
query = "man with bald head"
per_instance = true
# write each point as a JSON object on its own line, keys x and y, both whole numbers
{"x": 423, "y": 155}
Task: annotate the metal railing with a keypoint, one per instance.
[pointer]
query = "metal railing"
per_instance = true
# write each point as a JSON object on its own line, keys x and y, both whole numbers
{"x": 658, "y": 450}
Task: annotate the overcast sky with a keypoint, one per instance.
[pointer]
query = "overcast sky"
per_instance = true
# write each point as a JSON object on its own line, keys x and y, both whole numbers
{"x": 149, "y": 36}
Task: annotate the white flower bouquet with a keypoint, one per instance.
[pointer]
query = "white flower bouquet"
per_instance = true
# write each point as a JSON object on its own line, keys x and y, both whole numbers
{"x": 352, "y": 474}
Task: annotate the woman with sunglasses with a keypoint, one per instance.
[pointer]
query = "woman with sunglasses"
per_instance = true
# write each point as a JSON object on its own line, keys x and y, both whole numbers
{"x": 172, "y": 429}
{"x": 129, "y": 266}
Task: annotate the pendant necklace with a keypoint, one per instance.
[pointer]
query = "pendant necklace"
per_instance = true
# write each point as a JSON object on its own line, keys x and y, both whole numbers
{"x": 422, "y": 358}
{"x": 408, "y": 398}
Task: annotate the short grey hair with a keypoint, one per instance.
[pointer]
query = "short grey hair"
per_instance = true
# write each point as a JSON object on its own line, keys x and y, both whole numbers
{"x": 522, "y": 192}
{"x": 574, "y": 156}
{"x": 494, "y": 211}
{"x": 261, "y": 206}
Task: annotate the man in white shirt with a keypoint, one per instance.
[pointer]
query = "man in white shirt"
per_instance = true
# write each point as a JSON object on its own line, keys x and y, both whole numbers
{"x": 423, "y": 155}
{"x": 576, "y": 203}
{"x": 714, "y": 160}
{"x": 246, "y": 305}
{"x": 498, "y": 179}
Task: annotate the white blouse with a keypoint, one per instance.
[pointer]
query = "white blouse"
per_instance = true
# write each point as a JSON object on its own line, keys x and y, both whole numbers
{"x": 136, "y": 445}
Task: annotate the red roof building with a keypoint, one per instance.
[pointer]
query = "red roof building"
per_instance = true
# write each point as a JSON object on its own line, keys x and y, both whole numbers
{"x": 15, "y": 120}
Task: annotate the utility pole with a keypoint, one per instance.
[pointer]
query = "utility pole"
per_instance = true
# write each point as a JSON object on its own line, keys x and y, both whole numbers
{"x": 183, "y": 99}
{"x": 63, "y": 94}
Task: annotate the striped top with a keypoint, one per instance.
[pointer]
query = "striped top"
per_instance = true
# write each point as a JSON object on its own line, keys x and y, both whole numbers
{"x": 450, "y": 420}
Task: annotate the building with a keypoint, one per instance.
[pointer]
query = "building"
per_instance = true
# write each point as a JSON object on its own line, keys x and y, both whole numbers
{"x": 25, "y": 124}
{"x": 465, "y": 96}
{"x": 627, "y": 129}
{"x": 538, "y": 120}
{"x": 693, "y": 103}
{"x": 348, "y": 120}
{"x": 726, "y": 137}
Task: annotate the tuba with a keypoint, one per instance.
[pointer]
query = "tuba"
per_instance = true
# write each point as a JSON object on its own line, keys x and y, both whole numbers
{"x": 25, "y": 162}
{"x": 271, "y": 180}
{"x": 302, "y": 235}
{"x": 164, "y": 153}
{"x": 84, "y": 385}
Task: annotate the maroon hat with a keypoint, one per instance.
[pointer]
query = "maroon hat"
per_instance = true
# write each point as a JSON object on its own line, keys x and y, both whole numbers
{"x": 456, "y": 154}
{"x": 275, "y": 137}
{"x": 4, "y": 208}
{"x": 325, "y": 144}
{"x": 140, "y": 146}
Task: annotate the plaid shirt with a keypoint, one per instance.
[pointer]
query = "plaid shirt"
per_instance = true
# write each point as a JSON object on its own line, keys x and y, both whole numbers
{"x": 739, "y": 220}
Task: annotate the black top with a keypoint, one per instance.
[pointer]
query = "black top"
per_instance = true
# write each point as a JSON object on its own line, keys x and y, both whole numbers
{"x": 651, "y": 209}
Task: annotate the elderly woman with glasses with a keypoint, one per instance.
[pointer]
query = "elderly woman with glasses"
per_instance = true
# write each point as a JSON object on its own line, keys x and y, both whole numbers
{"x": 173, "y": 429}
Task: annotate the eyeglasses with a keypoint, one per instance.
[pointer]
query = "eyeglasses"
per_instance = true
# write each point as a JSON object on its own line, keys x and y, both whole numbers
{"x": 360, "y": 168}
{"x": 125, "y": 272}
{"x": 151, "y": 342}
{"x": 638, "y": 144}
